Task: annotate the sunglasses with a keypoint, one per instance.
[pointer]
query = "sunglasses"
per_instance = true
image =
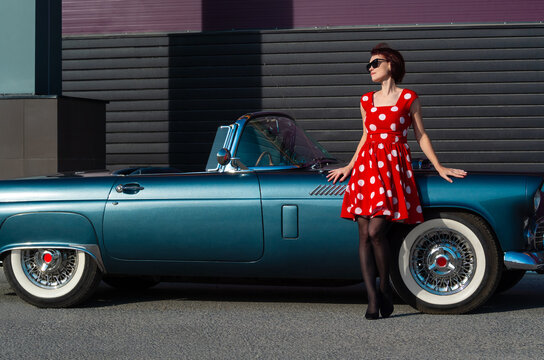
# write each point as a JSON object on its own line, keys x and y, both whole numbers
{"x": 374, "y": 64}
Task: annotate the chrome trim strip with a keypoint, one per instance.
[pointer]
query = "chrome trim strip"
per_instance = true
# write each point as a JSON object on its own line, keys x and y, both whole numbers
{"x": 92, "y": 250}
{"x": 266, "y": 168}
{"x": 528, "y": 260}
{"x": 341, "y": 190}
{"x": 316, "y": 190}
{"x": 239, "y": 128}
{"x": 328, "y": 190}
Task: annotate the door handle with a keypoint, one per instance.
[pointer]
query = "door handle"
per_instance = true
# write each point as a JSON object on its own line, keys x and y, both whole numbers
{"x": 128, "y": 188}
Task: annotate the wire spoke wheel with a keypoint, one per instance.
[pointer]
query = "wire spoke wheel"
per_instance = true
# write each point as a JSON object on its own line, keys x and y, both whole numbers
{"x": 442, "y": 261}
{"x": 51, "y": 268}
{"x": 51, "y": 277}
{"x": 449, "y": 264}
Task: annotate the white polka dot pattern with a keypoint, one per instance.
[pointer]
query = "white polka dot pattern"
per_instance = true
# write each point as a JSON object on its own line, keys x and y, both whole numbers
{"x": 388, "y": 188}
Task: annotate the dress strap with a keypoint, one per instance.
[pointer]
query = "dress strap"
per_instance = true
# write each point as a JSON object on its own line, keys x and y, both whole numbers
{"x": 366, "y": 101}
{"x": 406, "y": 99}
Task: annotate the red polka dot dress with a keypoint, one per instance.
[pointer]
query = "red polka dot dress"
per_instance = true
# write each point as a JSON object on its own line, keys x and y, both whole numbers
{"x": 382, "y": 182}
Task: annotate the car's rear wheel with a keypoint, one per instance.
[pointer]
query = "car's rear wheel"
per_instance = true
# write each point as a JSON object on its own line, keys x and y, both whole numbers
{"x": 449, "y": 264}
{"x": 52, "y": 277}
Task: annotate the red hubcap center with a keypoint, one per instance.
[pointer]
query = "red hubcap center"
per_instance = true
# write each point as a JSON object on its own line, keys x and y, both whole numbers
{"x": 441, "y": 261}
{"x": 47, "y": 258}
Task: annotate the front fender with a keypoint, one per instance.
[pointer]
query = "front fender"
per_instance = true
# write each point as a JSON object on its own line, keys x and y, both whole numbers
{"x": 501, "y": 200}
{"x": 50, "y": 229}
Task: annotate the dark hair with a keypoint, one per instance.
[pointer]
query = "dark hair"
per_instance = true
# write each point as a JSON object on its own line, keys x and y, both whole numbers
{"x": 394, "y": 57}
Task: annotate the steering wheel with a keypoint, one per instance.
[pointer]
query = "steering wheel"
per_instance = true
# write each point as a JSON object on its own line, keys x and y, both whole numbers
{"x": 270, "y": 163}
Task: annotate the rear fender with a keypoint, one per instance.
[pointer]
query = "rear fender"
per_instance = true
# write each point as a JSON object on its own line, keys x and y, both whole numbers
{"x": 61, "y": 230}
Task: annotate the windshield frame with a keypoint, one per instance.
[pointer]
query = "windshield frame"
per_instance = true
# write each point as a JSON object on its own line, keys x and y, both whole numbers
{"x": 314, "y": 154}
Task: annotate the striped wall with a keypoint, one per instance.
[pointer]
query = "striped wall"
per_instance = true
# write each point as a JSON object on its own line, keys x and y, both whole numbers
{"x": 143, "y": 16}
{"x": 482, "y": 89}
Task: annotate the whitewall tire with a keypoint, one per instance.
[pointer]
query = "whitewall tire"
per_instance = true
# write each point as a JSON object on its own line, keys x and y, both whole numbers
{"x": 51, "y": 277}
{"x": 449, "y": 264}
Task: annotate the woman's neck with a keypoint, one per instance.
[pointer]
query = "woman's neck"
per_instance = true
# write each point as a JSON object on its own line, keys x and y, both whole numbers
{"x": 389, "y": 87}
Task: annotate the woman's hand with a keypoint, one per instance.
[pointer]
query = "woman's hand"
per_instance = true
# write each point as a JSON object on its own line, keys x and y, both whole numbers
{"x": 339, "y": 174}
{"x": 445, "y": 173}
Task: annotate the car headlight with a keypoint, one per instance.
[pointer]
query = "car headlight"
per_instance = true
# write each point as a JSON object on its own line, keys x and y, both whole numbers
{"x": 536, "y": 199}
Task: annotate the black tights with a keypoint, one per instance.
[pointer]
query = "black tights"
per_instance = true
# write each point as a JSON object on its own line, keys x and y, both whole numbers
{"x": 374, "y": 253}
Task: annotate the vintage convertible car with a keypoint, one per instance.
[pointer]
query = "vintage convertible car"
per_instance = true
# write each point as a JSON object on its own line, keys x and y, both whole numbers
{"x": 262, "y": 210}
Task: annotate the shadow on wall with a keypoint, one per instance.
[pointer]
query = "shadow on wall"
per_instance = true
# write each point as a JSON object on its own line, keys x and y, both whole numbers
{"x": 214, "y": 77}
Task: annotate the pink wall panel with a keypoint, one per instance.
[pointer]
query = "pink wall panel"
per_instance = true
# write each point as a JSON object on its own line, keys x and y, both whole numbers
{"x": 134, "y": 16}
{"x": 309, "y": 13}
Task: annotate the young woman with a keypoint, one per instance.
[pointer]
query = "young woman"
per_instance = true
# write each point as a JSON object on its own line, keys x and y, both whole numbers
{"x": 382, "y": 187}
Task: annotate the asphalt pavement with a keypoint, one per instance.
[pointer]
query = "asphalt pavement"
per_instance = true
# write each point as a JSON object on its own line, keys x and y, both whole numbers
{"x": 191, "y": 321}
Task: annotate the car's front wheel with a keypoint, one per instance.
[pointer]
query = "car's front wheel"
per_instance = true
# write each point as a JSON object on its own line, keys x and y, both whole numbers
{"x": 449, "y": 264}
{"x": 51, "y": 277}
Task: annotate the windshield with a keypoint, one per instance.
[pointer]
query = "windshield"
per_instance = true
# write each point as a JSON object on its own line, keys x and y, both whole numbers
{"x": 278, "y": 141}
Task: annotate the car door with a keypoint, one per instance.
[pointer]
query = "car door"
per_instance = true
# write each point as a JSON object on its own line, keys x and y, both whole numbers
{"x": 302, "y": 226}
{"x": 184, "y": 217}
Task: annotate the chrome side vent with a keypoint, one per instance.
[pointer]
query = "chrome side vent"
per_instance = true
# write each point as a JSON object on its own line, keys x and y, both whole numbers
{"x": 329, "y": 190}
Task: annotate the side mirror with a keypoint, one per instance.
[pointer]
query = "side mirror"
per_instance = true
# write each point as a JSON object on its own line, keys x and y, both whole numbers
{"x": 223, "y": 157}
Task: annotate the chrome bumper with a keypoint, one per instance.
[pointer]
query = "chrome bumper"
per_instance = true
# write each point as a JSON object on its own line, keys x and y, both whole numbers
{"x": 529, "y": 260}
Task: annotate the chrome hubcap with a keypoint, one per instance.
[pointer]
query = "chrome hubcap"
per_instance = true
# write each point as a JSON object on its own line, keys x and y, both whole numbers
{"x": 442, "y": 261}
{"x": 49, "y": 268}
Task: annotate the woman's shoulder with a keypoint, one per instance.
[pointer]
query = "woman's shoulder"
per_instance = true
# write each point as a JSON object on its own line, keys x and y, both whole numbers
{"x": 366, "y": 99}
{"x": 407, "y": 98}
{"x": 409, "y": 94}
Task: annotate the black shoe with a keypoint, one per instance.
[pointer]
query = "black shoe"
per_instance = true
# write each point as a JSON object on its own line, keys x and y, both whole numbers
{"x": 372, "y": 316}
{"x": 386, "y": 305}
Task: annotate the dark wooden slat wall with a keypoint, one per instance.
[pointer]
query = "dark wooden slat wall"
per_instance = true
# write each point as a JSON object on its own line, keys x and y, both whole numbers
{"x": 482, "y": 89}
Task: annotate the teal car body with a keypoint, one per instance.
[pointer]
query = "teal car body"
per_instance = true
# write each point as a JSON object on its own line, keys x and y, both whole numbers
{"x": 263, "y": 209}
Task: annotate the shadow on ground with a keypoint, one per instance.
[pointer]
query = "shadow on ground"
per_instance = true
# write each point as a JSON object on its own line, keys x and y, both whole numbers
{"x": 528, "y": 294}
{"x": 108, "y": 296}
